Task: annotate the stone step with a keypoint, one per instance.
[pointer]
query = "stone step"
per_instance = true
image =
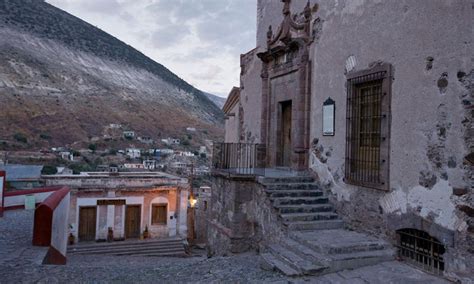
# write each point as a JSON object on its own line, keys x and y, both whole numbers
{"x": 339, "y": 241}
{"x": 355, "y": 260}
{"x": 305, "y": 251}
{"x": 284, "y": 209}
{"x": 315, "y": 225}
{"x": 296, "y": 179}
{"x": 318, "y": 216}
{"x": 175, "y": 254}
{"x": 276, "y": 264}
{"x": 168, "y": 251}
{"x": 125, "y": 249}
{"x": 298, "y": 200}
{"x": 292, "y": 259}
{"x": 292, "y": 186}
{"x": 126, "y": 243}
{"x": 294, "y": 193}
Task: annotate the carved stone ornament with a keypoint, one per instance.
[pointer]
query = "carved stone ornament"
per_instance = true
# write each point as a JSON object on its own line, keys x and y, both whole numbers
{"x": 292, "y": 26}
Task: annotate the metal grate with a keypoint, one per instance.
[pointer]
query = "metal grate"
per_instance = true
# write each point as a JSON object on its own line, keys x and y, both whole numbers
{"x": 419, "y": 248}
{"x": 364, "y": 129}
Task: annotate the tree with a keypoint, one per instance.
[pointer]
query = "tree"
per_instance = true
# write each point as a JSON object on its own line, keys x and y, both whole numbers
{"x": 92, "y": 147}
{"x": 49, "y": 170}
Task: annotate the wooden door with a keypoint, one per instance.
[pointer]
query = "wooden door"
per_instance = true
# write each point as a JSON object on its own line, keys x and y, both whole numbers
{"x": 132, "y": 221}
{"x": 87, "y": 223}
{"x": 285, "y": 134}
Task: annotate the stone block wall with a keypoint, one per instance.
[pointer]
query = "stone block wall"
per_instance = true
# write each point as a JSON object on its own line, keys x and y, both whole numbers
{"x": 241, "y": 217}
{"x": 250, "y": 98}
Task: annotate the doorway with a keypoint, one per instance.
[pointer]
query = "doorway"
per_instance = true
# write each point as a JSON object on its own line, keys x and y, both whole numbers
{"x": 87, "y": 223}
{"x": 285, "y": 134}
{"x": 132, "y": 221}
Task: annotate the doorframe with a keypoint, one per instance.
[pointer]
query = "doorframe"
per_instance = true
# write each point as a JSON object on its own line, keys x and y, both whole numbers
{"x": 79, "y": 219}
{"x": 280, "y": 135}
{"x": 125, "y": 219}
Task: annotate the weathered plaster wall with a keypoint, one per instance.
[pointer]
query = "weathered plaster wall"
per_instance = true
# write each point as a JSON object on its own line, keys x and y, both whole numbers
{"x": 430, "y": 46}
{"x": 59, "y": 232}
{"x": 250, "y": 96}
{"x": 241, "y": 217}
{"x": 232, "y": 126}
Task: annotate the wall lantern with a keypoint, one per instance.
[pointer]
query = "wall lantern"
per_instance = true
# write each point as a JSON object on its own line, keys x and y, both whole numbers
{"x": 329, "y": 117}
{"x": 192, "y": 201}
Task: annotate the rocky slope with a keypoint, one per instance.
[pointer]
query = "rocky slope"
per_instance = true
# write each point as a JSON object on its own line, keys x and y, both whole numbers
{"x": 64, "y": 79}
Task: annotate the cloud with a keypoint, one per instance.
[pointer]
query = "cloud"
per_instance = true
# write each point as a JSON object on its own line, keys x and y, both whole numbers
{"x": 200, "y": 40}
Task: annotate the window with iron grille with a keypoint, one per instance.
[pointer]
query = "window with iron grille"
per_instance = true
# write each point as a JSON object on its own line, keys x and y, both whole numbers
{"x": 420, "y": 249}
{"x": 159, "y": 214}
{"x": 368, "y": 127}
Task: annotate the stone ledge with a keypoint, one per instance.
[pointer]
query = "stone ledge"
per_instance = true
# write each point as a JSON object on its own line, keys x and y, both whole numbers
{"x": 410, "y": 220}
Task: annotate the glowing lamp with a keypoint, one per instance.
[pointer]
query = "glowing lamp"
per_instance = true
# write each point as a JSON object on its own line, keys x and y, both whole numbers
{"x": 192, "y": 202}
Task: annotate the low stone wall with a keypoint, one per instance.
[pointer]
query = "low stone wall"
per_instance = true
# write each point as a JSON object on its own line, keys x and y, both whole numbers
{"x": 241, "y": 218}
{"x": 51, "y": 226}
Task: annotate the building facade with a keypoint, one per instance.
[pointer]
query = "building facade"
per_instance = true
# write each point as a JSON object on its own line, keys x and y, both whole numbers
{"x": 125, "y": 205}
{"x": 232, "y": 116}
{"x": 375, "y": 99}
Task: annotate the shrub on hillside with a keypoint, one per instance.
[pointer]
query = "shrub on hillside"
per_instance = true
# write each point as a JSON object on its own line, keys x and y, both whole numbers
{"x": 45, "y": 136}
{"x": 92, "y": 147}
{"x": 20, "y": 137}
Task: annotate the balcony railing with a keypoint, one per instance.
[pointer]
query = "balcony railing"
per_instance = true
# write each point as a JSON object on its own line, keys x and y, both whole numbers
{"x": 239, "y": 158}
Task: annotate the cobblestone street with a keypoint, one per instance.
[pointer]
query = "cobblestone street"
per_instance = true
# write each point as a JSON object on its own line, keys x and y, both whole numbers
{"x": 19, "y": 263}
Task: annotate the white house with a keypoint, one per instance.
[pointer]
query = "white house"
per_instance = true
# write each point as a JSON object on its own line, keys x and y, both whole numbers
{"x": 133, "y": 153}
{"x": 129, "y": 134}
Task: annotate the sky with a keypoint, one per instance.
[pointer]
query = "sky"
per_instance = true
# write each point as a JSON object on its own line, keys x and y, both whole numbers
{"x": 199, "y": 40}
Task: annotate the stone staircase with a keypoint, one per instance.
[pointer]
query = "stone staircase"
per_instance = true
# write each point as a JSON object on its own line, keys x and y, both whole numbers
{"x": 317, "y": 242}
{"x": 156, "y": 247}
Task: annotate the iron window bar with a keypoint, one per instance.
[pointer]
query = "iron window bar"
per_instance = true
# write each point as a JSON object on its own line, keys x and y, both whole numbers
{"x": 420, "y": 249}
{"x": 365, "y": 135}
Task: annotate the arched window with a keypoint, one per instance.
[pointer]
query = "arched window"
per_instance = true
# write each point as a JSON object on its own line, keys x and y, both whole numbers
{"x": 421, "y": 249}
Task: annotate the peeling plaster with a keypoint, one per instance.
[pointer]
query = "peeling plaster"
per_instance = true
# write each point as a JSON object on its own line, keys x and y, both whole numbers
{"x": 327, "y": 179}
{"x": 429, "y": 203}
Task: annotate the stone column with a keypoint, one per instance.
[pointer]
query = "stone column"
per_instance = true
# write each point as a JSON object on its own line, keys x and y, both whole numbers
{"x": 302, "y": 131}
{"x": 265, "y": 111}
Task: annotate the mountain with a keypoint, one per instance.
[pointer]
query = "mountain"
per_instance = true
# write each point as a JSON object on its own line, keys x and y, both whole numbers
{"x": 64, "y": 80}
{"x": 218, "y": 101}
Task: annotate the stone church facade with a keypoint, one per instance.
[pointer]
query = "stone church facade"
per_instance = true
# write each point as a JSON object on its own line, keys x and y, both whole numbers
{"x": 375, "y": 100}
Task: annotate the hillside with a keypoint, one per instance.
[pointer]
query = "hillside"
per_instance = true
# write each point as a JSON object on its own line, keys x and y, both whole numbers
{"x": 219, "y": 101}
{"x": 63, "y": 80}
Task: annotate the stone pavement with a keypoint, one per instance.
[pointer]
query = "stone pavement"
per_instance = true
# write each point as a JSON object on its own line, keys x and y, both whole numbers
{"x": 16, "y": 266}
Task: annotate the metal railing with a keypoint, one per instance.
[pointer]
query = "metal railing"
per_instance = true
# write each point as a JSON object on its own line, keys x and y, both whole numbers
{"x": 239, "y": 158}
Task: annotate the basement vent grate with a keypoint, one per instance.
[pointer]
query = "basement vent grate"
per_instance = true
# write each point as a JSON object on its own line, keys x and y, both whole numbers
{"x": 420, "y": 249}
